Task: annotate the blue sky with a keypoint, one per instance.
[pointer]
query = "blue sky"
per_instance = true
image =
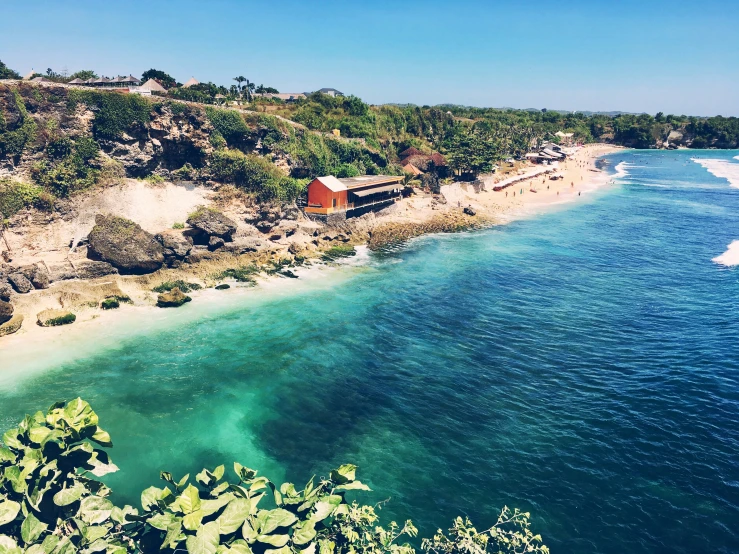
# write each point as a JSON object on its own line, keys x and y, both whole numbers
{"x": 651, "y": 55}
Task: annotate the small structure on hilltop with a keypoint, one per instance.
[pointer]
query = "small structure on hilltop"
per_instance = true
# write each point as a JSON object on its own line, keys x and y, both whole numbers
{"x": 330, "y": 91}
{"x": 287, "y": 97}
{"x": 153, "y": 86}
{"x": 28, "y": 75}
{"x": 565, "y": 138}
{"x": 353, "y": 196}
{"x": 191, "y": 82}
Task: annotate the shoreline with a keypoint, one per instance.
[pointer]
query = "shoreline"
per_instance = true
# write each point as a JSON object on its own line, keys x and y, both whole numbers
{"x": 416, "y": 216}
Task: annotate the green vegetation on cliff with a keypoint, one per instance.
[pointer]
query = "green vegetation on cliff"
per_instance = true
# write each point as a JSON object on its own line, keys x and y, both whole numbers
{"x": 51, "y": 502}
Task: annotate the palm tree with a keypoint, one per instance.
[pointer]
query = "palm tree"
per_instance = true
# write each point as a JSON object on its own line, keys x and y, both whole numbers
{"x": 239, "y": 80}
{"x": 249, "y": 87}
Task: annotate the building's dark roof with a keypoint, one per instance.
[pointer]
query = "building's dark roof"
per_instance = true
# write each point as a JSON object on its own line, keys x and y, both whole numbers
{"x": 369, "y": 180}
{"x": 376, "y": 190}
{"x": 329, "y": 90}
{"x": 410, "y": 152}
{"x": 438, "y": 159}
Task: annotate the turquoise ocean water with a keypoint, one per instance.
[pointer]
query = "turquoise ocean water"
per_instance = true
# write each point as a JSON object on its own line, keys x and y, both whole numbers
{"x": 581, "y": 364}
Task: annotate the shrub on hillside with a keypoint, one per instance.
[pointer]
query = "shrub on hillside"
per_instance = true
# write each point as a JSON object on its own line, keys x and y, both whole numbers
{"x": 114, "y": 113}
{"x": 15, "y": 196}
{"x": 229, "y": 124}
{"x": 254, "y": 174}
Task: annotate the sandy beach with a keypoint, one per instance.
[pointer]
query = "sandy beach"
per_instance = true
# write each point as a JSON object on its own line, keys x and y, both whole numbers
{"x": 532, "y": 192}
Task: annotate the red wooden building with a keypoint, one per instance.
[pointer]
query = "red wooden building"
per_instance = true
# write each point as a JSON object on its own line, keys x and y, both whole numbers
{"x": 327, "y": 195}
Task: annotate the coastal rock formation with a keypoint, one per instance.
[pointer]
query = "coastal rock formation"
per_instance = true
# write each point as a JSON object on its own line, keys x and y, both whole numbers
{"x": 53, "y": 318}
{"x": 20, "y": 283}
{"x": 11, "y": 326}
{"x": 6, "y": 311}
{"x": 176, "y": 246}
{"x": 215, "y": 243}
{"x": 125, "y": 245}
{"x": 92, "y": 269}
{"x": 207, "y": 222}
{"x": 39, "y": 276}
{"x": 172, "y": 299}
{"x": 5, "y": 290}
{"x": 469, "y": 210}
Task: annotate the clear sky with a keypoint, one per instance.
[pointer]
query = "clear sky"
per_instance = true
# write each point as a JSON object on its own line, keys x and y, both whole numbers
{"x": 647, "y": 55}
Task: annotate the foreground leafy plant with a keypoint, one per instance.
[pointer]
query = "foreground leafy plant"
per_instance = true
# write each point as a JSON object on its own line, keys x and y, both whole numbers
{"x": 50, "y": 504}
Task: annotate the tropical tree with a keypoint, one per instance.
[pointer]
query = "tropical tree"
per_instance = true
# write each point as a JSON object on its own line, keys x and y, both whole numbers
{"x": 7, "y": 73}
{"x": 164, "y": 79}
{"x": 240, "y": 79}
{"x": 84, "y": 74}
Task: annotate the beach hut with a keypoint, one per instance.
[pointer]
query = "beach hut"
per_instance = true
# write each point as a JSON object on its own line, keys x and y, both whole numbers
{"x": 77, "y": 82}
{"x": 353, "y": 195}
{"x": 192, "y": 81}
{"x": 152, "y": 86}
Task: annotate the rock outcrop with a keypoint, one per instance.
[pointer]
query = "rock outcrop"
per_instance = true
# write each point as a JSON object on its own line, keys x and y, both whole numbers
{"x": 20, "y": 283}
{"x": 92, "y": 269}
{"x": 207, "y": 223}
{"x": 53, "y": 318}
{"x": 172, "y": 299}
{"x": 6, "y": 311}
{"x": 176, "y": 246}
{"x": 12, "y": 325}
{"x": 125, "y": 245}
{"x": 5, "y": 290}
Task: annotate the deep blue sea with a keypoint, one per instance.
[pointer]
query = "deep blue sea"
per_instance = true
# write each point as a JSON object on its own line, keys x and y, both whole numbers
{"x": 581, "y": 364}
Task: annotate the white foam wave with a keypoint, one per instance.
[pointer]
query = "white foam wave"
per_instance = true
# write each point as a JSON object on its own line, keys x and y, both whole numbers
{"x": 730, "y": 257}
{"x": 621, "y": 170}
{"x": 736, "y": 157}
{"x": 723, "y": 169}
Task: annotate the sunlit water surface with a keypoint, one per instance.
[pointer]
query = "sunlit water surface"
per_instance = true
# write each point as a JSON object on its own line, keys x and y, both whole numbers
{"x": 581, "y": 364}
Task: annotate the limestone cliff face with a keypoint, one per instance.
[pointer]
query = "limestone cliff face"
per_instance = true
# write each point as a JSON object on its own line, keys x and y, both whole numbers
{"x": 32, "y": 117}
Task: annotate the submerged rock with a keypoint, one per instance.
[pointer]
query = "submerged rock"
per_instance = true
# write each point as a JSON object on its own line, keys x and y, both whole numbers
{"x": 172, "y": 299}
{"x": 12, "y": 325}
{"x": 125, "y": 245}
{"x": 53, "y": 318}
{"x": 20, "y": 283}
{"x": 6, "y": 311}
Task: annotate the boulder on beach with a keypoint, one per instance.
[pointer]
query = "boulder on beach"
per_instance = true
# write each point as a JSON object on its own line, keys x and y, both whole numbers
{"x": 20, "y": 283}
{"x": 214, "y": 243}
{"x": 92, "y": 269}
{"x": 212, "y": 223}
{"x": 5, "y": 290}
{"x": 11, "y": 326}
{"x": 125, "y": 245}
{"x": 53, "y": 318}
{"x": 172, "y": 299}
{"x": 176, "y": 245}
{"x": 223, "y": 286}
{"x": 469, "y": 210}
{"x": 39, "y": 276}
{"x": 6, "y": 311}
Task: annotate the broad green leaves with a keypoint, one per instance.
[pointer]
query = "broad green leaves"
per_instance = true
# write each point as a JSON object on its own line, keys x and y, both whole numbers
{"x": 32, "y": 528}
{"x": 8, "y": 511}
{"x": 50, "y": 503}
{"x": 205, "y": 541}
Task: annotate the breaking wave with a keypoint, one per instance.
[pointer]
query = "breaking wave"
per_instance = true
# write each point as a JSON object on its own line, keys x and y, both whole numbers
{"x": 730, "y": 257}
{"x": 621, "y": 170}
{"x": 723, "y": 169}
